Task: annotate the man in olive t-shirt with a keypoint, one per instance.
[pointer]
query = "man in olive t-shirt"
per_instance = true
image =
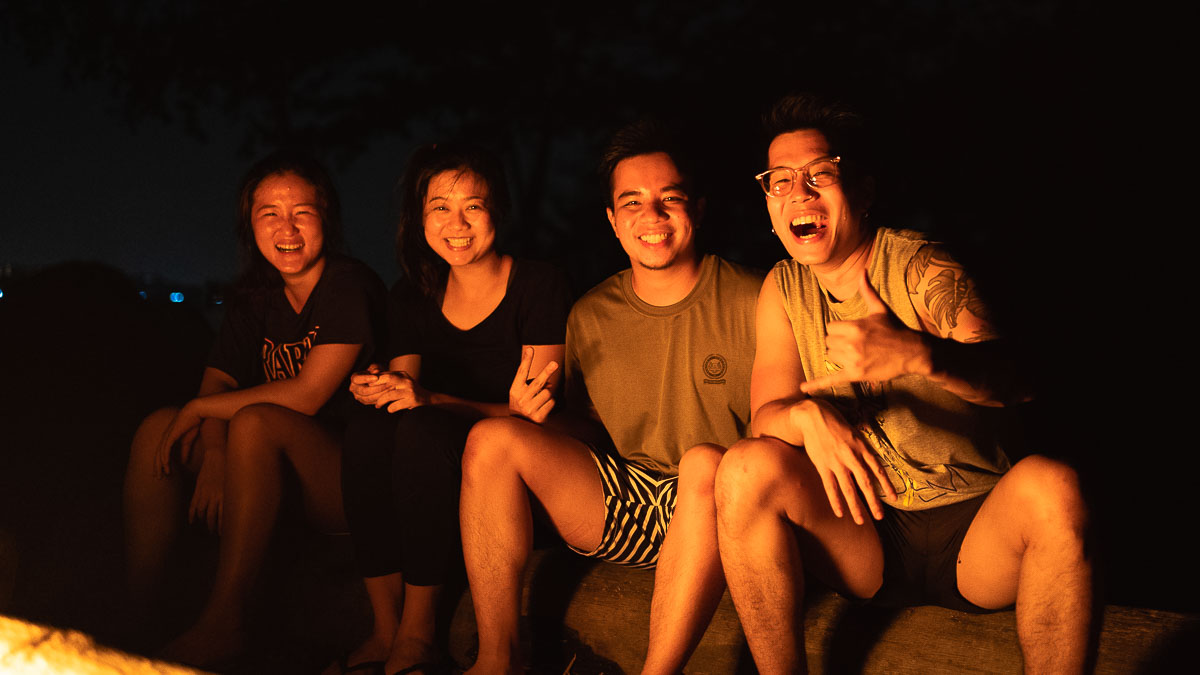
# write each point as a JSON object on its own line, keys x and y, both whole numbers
{"x": 660, "y": 355}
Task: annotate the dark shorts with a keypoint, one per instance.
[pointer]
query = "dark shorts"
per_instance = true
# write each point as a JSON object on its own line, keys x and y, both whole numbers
{"x": 638, "y": 505}
{"x": 920, "y": 555}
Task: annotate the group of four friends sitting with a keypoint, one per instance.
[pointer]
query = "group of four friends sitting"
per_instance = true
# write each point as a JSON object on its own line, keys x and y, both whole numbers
{"x": 838, "y": 418}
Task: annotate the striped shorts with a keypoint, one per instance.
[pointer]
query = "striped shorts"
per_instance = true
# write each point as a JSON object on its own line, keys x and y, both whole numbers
{"x": 638, "y": 507}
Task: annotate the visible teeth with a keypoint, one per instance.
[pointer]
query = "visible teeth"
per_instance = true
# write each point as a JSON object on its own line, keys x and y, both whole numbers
{"x": 654, "y": 238}
{"x": 288, "y": 248}
{"x": 808, "y": 225}
{"x": 808, "y": 219}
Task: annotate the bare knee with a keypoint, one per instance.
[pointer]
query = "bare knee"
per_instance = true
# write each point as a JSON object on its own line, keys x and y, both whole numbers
{"x": 490, "y": 446}
{"x": 1050, "y": 491}
{"x": 251, "y": 432}
{"x": 143, "y": 452}
{"x": 753, "y": 476}
{"x": 150, "y": 432}
{"x": 698, "y": 468}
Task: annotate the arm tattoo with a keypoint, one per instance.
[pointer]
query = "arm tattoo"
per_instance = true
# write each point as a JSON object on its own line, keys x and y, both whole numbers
{"x": 983, "y": 335}
{"x": 948, "y": 293}
{"x": 916, "y": 269}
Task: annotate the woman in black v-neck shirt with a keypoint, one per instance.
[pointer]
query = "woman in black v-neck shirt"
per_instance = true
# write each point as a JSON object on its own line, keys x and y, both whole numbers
{"x": 463, "y": 322}
{"x": 272, "y": 401}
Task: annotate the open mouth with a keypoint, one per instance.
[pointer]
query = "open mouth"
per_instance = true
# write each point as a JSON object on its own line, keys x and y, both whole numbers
{"x": 655, "y": 238}
{"x": 458, "y": 242}
{"x": 288, "y": 248}
{"x": 808, "y": 226}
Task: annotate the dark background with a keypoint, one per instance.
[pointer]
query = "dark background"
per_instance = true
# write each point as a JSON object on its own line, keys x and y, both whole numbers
{"x": 127, "y": 126}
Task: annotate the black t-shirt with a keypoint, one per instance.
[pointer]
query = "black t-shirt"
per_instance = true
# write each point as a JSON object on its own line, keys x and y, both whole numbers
{"x": 263, "y": 339}
{"x": 479, "y": 364}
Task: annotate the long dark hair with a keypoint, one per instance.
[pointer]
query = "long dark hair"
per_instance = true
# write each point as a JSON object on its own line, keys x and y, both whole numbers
{"x": 422, "y": 267}
{"x": 256, "y": 273}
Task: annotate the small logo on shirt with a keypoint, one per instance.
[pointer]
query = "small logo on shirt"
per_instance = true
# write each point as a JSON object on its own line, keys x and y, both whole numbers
{"x": 714, "y": 369}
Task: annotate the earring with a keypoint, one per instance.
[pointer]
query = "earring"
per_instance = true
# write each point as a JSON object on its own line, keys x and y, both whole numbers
{"x": 772, "y": 230}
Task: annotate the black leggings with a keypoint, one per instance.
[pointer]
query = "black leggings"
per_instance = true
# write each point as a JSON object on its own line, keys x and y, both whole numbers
{"x": 401, "y": 474}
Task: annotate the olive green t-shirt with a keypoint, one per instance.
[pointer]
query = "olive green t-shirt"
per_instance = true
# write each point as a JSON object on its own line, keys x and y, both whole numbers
{"x": 664, "y": 379}
{"x": 937, "y": 448}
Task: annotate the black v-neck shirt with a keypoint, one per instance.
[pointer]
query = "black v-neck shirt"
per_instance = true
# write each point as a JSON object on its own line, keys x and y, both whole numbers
{"x": 479, "y": 363}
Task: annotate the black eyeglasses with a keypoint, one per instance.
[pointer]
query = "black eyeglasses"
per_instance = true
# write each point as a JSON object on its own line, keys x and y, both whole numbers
{"x": 819, "y": 173}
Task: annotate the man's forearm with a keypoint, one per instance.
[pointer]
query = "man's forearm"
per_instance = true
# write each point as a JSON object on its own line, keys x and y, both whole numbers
{"x": 983, "y": 373}
{"x": 777, "y": 419}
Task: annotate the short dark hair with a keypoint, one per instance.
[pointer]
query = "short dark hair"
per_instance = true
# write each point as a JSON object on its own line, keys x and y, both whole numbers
{"x": 256, "y": 272}
{"x": 422, "y": 267}
{"x": 644, "y": 137}
{"x": 843, "y": 127}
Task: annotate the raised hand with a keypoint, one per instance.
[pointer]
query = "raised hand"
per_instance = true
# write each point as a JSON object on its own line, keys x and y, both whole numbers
{"x": 847, "y": 465}
{"x": 530, "y": 398}
{"x": 875, "y": 348}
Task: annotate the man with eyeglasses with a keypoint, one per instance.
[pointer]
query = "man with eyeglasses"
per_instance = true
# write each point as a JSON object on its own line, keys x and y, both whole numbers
{"x": 875, "y": 463}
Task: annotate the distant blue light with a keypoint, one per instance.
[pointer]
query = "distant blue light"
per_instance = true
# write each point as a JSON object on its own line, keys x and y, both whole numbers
{"x": 177, "y": 297}
{"x": 217, "y": 301}
{"x": 142, "y": 294}
{"x": 1, "y": 293}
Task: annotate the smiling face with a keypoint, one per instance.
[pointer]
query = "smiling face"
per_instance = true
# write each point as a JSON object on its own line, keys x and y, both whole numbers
{"x": 819, "y": 227}
{"x": 285, "y": 214}
{"x": 651, "y": 213}
{"x": 458, "y": 224}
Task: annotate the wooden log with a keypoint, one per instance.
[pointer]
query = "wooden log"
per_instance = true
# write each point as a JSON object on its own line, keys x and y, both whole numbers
{"x": 600, "y": 613}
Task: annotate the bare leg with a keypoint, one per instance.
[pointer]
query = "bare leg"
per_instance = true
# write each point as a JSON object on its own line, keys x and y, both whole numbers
{"x": 152, "y": 507}
{"x": 415, "y": 639}
{"x": 261, "y": 438}
{"x": 386, "y": 594}
{"x": 773, "y": 522}
{"x": 1028, "y": 544}
{"x": 688, "y": 581}
{"x": 506, "y": 459}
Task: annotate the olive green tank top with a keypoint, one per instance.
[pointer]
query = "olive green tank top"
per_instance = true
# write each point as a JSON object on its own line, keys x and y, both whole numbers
{"x": 937, "y": 448}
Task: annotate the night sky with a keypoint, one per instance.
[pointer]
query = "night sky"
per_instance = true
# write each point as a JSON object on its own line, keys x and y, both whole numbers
{"x": 80, "y": 181}
{"x": 131, "y": 124}
{"x": 126, "y": 132}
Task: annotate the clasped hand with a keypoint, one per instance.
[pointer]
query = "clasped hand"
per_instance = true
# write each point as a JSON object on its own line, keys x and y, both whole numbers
{"x": 875, "y": 348}
{"x": 394, "y": 389}
{"x": 527, "y": 398}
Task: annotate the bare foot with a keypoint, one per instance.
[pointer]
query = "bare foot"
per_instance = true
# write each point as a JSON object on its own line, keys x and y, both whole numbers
{"x": 485, "y": 666}
{"x": 408, "y": 652}
{"x": 205, "y": 645}
{"x": 373, "y": 650}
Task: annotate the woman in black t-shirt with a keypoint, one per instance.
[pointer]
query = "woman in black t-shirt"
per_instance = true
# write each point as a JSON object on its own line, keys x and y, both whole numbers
{"x": 463, "y": 321}
{"x": 271, "y": 398}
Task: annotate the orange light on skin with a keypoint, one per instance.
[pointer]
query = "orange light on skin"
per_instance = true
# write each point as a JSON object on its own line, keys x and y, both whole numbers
{"x": 457, "y": 219}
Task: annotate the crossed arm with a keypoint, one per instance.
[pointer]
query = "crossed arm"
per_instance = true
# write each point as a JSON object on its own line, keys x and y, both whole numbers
{"x": 220, "y": 398}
